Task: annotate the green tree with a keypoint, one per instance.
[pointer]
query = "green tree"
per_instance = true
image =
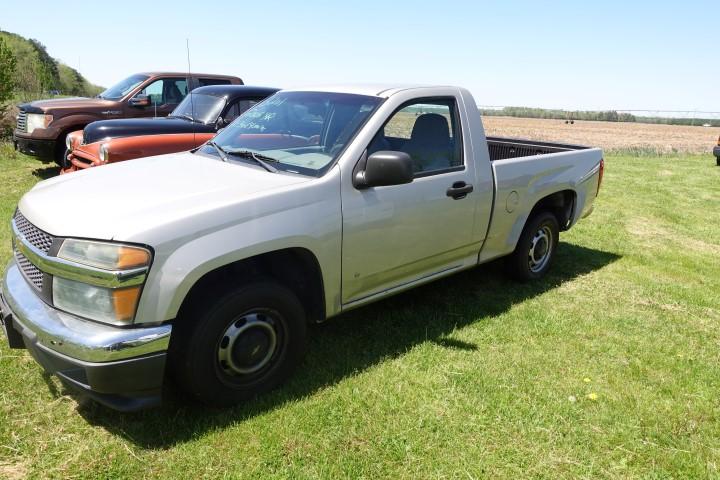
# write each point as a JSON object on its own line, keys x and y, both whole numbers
{"x": 7, "y": 74}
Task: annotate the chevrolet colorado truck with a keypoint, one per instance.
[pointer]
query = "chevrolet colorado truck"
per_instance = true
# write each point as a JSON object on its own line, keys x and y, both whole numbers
{"x": 42, "y": 126}
{"x": 195, "y": 121}
{"x": 208, "y": 265}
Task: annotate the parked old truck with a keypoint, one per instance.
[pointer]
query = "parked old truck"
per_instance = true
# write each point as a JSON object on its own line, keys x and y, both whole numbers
{"x": 209, "y": 265}
{"x": 196, "y": 120}
{"x": 42, "y": 126}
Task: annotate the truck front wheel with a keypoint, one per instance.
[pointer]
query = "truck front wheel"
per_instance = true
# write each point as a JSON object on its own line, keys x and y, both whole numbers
{"x": 536, "y": 247}
{"x": 242, "y": 345}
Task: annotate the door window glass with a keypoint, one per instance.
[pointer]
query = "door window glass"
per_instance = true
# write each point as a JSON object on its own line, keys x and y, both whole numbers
{"x": 167, "y": 91}
{"x": 425, "y": 130}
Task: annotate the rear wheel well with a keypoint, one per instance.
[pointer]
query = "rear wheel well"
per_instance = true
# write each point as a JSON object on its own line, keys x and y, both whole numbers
{"x": 295, "y": 268}
{"x": 561, "y": 204}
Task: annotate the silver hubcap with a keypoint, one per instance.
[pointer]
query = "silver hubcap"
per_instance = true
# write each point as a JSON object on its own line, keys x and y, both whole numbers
{"x": 247, "y": 345}
{"x": 540, "y": 249}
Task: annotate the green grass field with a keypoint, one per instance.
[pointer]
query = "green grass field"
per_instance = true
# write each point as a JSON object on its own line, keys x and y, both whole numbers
{"x": 606, "y": 369}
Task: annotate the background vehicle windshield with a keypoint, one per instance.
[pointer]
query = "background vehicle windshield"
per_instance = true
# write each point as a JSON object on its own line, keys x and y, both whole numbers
{"x": 200, "y": 107}
{"x": 124, "y": 87}
{"x": 303, "y": 131}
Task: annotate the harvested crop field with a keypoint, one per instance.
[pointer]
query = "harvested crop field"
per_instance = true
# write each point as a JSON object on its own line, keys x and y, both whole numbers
{"x": 611, "y": 136}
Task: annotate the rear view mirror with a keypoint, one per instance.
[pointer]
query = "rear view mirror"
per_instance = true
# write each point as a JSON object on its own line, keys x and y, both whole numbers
{"x": 385, "y": 168}
{"x": 140, "y": 101}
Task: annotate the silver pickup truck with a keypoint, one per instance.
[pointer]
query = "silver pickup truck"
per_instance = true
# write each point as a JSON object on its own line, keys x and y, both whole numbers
{"x": 208, "y": 265}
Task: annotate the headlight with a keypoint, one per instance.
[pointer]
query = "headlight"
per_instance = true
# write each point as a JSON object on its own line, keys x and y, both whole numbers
{"x": 86, "y": 296}
{"x": 104, "y": 154}
{"x": 114, "y": 306}
{"x": 37, "y": 120}
{"x": 107, "y": 256}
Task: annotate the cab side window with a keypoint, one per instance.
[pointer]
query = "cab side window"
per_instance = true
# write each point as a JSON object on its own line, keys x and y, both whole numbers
{"x": 237, "y": 109}
{"x": 204, "y": 82}
{"x": 166, "y": 91}
{"x": 427, "y": 130}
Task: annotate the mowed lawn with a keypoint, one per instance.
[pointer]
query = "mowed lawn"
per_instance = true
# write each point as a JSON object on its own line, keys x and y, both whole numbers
{"x": 608, "y": 368}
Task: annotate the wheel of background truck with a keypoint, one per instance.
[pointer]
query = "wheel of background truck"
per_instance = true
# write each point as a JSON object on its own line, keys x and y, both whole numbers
{"x": 242, "y": 345}
{"x": 536, "y": 248}
{"x": 61, "y": 150}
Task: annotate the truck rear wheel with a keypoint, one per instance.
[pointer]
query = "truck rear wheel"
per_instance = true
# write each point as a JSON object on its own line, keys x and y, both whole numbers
{"x": 242, "y": 345}
{"x": 536, "y": 247}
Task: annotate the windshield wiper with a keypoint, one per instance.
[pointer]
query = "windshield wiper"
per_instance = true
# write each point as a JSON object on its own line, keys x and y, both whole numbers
{"x": 258, "y": 157}
{"x": 220, "y": 151}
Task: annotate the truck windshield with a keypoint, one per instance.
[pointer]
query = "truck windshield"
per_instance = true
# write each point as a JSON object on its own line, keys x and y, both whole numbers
{"x": 122, "y": 88}
{"x": 199, "y": 107}
{"x": 299, "y": 132}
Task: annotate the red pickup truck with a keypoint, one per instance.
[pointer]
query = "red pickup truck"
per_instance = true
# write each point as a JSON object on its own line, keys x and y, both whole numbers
{"x": 43, "y": 125}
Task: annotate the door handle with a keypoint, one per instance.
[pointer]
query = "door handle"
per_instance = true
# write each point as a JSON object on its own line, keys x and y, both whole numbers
{"x": 459, "y": 190}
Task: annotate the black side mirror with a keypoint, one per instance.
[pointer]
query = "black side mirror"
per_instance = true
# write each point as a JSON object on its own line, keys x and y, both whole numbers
{"x": 140, "y": 100}
{"x": 220, "y": 123}
{"x": 385, "y": 168}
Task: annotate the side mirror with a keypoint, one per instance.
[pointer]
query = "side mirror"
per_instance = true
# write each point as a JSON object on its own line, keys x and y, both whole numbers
{"x": 220, "y": 124}
{"x": 385, "y": 168}
{"x": 140, "y": 100}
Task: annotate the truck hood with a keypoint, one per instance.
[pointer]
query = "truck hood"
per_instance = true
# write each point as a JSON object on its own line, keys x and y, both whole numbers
{"x": 130, "y": 127}
{"x": 58, "y": 104}
{"x": 122, "y": 201}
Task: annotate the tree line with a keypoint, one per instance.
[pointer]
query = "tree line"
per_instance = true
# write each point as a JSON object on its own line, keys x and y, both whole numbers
{"x": 599, "y": 116}
{"x": 29, "y": 72}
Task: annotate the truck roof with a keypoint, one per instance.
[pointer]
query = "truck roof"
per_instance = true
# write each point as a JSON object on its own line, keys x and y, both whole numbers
{"x": 185, "y": 74}
{"x": 232, "y": 91}
{"x": 374, "y": 90}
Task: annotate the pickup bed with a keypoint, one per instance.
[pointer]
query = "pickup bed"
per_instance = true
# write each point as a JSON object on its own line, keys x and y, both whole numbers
{"x": 209, "y": 264}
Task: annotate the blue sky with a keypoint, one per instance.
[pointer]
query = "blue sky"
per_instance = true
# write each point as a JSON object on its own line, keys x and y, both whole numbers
{"x": 579, "y": 55}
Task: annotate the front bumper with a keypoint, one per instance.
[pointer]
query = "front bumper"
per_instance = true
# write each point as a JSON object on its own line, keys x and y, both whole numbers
{"x": 122, "y": 368}
{"x": 41, "y": 148}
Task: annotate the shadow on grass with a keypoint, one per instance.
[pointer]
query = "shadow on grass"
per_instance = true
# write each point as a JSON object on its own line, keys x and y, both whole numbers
{"x": 356, "y": 341}
{"x": 46, "y": 172}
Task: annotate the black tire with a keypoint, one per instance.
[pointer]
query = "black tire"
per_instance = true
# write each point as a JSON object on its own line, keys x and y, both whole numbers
{"x": 61, "y": 151}
{"x": 261, "y": 309}
{"x": 530, "y": 261}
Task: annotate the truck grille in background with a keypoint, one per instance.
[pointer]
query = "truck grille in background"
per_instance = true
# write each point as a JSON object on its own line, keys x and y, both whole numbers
{"x": 36, "y": 237}
{"x": 22, "y": 121}
{"x": 30, "y": 271}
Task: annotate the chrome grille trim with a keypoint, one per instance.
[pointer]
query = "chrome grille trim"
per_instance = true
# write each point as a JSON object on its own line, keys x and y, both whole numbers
{"x": 21, "y": 125}
{"x": 36, "y": 237}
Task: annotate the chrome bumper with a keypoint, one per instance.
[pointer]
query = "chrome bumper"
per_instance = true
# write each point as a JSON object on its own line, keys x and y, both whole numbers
{"x": 74, "y": 337}
{"x": 122, "y": 368}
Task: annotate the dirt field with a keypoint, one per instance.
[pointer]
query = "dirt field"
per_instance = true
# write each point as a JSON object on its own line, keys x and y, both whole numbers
{"x": 609, "y": 135}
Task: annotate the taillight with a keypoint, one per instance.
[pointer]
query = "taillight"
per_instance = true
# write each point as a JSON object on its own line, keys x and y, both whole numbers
{"x": 601, "y": 172}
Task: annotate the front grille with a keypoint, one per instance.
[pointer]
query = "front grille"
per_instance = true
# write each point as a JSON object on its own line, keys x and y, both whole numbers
{"x": 22, "y": 121}
{"x": 33, "y": 235}
{"x": 30, "y": 271}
